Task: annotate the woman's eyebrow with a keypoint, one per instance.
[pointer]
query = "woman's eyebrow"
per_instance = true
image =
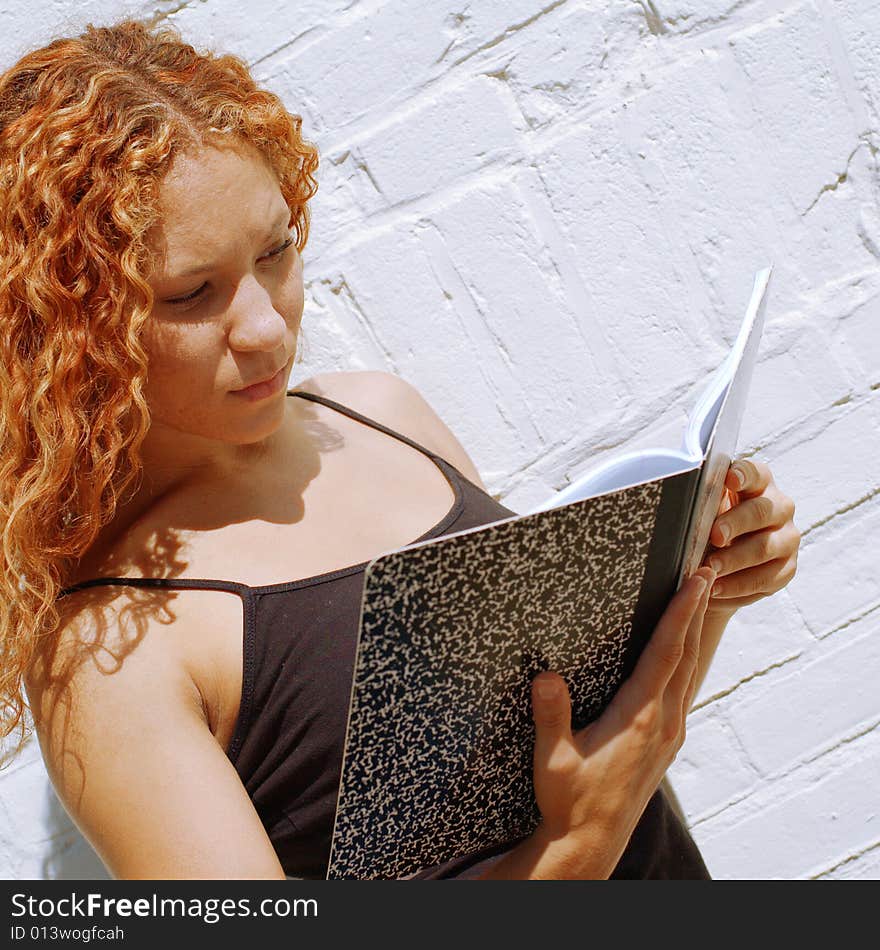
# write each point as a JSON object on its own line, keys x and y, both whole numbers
{"x": 280, "y": 219}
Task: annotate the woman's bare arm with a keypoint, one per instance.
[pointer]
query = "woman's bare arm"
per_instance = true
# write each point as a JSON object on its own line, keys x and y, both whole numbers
{"x": 132, "y": 759}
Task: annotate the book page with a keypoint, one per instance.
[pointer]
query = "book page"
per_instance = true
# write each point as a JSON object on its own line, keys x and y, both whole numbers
{"x": 623, "y": 471}
{"x": 724, "y": 432}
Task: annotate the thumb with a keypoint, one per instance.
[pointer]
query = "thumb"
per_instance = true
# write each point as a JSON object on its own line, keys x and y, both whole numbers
{"x": 551, "y": 711}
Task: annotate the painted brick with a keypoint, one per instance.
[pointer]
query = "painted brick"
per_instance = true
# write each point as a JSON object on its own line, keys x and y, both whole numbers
{"x": 842, "y": 231}
{"x": 333, "y": 335}
{"x": 345, "y": 332}
{"x": 816, "y": 818}
{"x": 758, "y": 637}
{"x": 494, "y": 246}
{"x": 714, "y": 199}
{"x": 25, "y": 26}
{"x": 835, "y": 468}
{"x": 711, "y": 767}
{"x": 857, "y": 338}
{"x": 37, "y": 838}
{"x": 606, "y": 213}
{"x": 553, "y": 76}
{"x": 363, "y": 68}
{"x": 680, "y": 17}
{"x": 791, "y": 385}
{"x": 789, "y": 60}
{"x": 813, "y": 707}
{"x": 257, "y": 29}
{"x": 859, "y": 26}
{"x": 838, "y": 576}
{"x": 473, "y": 27}
{"x": 346, "y": 199}
{"x": 862, "y": 867}
{"x": 464, "y": 129}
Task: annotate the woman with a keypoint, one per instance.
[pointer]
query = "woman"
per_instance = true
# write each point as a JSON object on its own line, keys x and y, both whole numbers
{"x": 155, "y": 464}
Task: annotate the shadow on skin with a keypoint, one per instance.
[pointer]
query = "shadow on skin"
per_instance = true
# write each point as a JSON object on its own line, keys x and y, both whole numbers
{"x": 112, "y": 620}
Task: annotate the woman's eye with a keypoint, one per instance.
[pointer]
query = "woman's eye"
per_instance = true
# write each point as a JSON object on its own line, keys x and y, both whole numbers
{"x": 176, "y": 301}
{"x": 188, "y": 297}
{"x": 280, "y": 250}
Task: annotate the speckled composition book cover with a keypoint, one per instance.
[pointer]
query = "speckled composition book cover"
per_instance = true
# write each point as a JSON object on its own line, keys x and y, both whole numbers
{"x": 438, "y": 754}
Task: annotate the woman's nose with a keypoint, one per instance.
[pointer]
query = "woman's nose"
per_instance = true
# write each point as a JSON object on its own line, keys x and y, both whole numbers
{"x": 256, "y": 322}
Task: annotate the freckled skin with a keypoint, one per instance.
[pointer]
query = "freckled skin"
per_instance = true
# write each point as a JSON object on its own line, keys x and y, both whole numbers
{"x": 218, "y": 208}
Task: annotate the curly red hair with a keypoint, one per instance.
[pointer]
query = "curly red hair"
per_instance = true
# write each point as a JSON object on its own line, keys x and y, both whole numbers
{"x": 89, "y": 125}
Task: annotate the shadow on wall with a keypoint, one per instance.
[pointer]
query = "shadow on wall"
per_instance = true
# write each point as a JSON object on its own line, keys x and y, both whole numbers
{"x": 38, "y": 840}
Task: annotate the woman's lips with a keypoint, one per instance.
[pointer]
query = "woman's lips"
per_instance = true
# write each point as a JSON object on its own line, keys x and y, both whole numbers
{"x": 263, "y": 390}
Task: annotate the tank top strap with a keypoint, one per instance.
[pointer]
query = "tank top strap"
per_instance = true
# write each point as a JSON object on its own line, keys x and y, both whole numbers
{"x": 173, "y": 583}
{"x": 353, "y": 414}
{"x": 453, "y": 475}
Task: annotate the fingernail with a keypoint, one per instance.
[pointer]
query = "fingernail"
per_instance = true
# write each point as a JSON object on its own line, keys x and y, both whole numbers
{"x": 724, "y": 531}
{"x": 547, "y": 689}
{"x": 739, "y": 477}
{"x": 715, "y": 564}
{"x": 717, "y": 589}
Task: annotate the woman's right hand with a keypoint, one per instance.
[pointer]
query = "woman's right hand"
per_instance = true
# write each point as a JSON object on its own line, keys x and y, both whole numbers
{"x": 592, "y": 786}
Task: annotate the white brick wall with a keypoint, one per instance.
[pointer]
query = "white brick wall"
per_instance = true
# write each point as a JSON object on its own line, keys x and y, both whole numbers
{"x": 547, "y": 216}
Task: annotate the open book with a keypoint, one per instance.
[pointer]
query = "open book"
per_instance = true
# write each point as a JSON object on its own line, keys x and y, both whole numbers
{"x": 707, "y": 445}
{"x": 438, "y": 750}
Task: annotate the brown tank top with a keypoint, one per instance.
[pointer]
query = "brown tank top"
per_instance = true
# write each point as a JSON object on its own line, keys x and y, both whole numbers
{"x": 298, "y": 657}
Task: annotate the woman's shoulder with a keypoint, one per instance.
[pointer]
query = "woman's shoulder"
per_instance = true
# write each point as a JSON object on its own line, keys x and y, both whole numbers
{"x": 397, "y": 404}
{"x": 112, "y": 642}
{"x": 366, "y": 391}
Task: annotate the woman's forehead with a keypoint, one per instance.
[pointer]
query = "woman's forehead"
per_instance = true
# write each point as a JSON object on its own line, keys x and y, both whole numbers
{"x": 220, "y": 175}
{"x": 212, "y": 192}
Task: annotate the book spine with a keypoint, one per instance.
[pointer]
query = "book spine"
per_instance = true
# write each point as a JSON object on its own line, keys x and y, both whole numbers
{"x": 660, "y": 580}
{"x": 688, "y": 505}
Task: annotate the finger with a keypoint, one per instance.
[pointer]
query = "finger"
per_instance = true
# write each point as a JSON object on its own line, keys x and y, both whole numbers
{"x": 677, "y": 687}
{"x": 731, "y": 481}
{"x": 690, "y": 693}
{"x": 749, "y": 476}
{"x": 756, "y": 548}
{"x": 551, "y": 712}
{"x": 691, "y": 689}
{"x": 664, "y": 651}
{"x": 763, "y": 580}
{"x": 728, "y": 501}
{"x": 765, "y": 511}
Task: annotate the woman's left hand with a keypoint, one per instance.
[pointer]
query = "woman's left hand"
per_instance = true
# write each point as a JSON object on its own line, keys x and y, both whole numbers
{"x": 754, "y": 540}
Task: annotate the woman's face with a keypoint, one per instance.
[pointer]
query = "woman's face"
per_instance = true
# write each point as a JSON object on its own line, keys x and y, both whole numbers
{"x": 225, "y": 245}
